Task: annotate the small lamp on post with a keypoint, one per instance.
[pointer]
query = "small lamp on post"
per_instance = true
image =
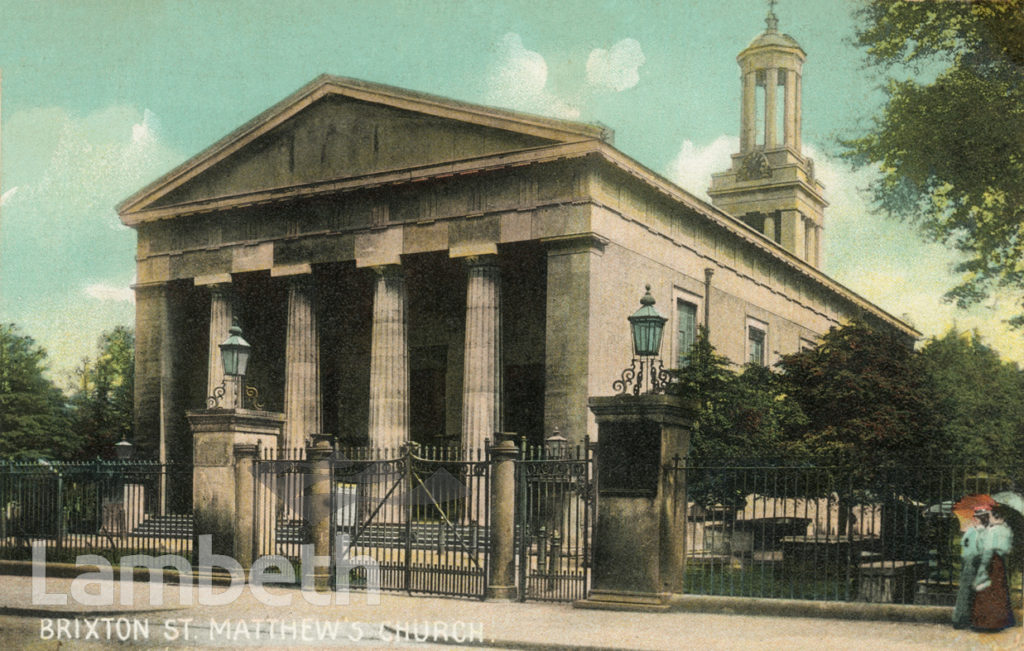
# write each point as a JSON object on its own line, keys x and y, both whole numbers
{"x": 123, "y": 449}
{"x": 234, "y": 354}
{"x": 646, "y": 326}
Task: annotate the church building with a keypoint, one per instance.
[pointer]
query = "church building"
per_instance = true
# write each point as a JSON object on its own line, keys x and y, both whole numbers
{"x": 410, "y": 267}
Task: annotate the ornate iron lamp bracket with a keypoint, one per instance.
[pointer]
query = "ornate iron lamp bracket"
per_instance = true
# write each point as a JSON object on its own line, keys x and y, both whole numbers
{"x": 644, "y": 375}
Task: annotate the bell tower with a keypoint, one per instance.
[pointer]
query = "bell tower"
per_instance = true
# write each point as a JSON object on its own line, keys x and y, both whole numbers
{"x": 770, "y": 185}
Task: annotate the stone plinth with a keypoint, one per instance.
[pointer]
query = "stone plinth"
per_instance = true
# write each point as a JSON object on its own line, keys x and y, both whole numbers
{"x": 641, "y": 516}
{"x": 223, "y": 439}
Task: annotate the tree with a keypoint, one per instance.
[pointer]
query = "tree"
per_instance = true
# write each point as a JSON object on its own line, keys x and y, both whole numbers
{"x": 869, "y": 405}
{"x": 33, "y": 415}
{"x": 949, "y": 141}
{"x": 742, "y": 418}
{"x": 103, "y": 395}
{"x": 979, "y": 401}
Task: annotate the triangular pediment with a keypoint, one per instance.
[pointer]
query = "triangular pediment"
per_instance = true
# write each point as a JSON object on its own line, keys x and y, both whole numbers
{"x": 342, "y": 129}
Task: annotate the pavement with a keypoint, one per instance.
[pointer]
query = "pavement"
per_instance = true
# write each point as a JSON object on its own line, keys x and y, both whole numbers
{"x": 107, "y": 615}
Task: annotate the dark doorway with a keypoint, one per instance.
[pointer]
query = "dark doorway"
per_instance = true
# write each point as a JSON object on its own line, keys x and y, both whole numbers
{"x": 427, "y": 394}
{"x": 524, "y": 401}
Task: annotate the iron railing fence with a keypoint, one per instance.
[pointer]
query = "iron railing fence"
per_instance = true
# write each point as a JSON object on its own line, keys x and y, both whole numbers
{"x": 827, "y": 533}
{"x": 109, "y": 508}
{"x": 422, "y": 514}
{"x": 555, "y": 509}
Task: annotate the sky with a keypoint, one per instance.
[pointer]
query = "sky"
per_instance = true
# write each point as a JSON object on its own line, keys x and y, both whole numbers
{"x": 100, "y": 97}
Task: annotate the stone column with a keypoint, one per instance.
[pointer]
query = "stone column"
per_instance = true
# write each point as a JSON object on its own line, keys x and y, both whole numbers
{"x": 501, "y": 583}
{"x": 389, "y": 361}
{"x": 318, "y": 503}
{"x": 302, "y": 365}
{"x": 792, "y": 235}
{"x": 771, "y": 82}
{"x": 790, "y": 116}
{"x": 797, "y": 114}
{"x": 156, "y": 403}
{"x": 220, "y": 323}
{"x": 571, "y": 263}
{"x": 481, "y": 378}
{"x": 245, "y": 481}
{"x": 748, "y": 114}
{"x": 817, "y": 246}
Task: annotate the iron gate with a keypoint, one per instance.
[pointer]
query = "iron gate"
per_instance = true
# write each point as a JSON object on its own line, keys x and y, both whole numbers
{"x": 421, "y": 513}
{"x": 555, "y": 507}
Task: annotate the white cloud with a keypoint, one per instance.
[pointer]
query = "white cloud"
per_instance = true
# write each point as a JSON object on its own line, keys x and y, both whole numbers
{"x": 617, "y": 68}
{"x": 7, "y": 196}
{"x": 518, "y": 80}
{"x": 692, "y": 167}
{"x": 106, "y": 292}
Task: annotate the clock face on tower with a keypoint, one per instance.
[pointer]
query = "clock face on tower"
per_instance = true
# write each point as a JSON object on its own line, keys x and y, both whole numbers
{"x": 755, "y": 166}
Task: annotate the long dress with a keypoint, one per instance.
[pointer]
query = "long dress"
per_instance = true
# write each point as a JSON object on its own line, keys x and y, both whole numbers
{"x": 970, "y": 557}
{"x": 991, "y": 608}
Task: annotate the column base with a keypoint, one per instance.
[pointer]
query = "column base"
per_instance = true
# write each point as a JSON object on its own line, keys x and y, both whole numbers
{"x": 502, "y": 593}
{"x": 322, "y": 580}
{"x": 644, "y": 602}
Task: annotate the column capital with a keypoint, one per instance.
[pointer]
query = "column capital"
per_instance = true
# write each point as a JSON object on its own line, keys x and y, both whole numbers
{"x": 386, "y": 270}
{"x": 485, "y": 260}
{"x": 219, "y": 289}
{"x": 246, "y": 450}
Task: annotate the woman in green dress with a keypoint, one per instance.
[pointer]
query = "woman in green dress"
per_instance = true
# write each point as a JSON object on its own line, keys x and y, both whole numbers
{"x": 970, "y": 558}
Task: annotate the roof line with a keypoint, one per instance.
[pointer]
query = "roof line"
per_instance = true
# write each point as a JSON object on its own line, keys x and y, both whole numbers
{"x": 325, "y": 85}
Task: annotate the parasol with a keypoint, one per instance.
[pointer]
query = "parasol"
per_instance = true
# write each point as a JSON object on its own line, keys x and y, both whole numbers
{"x": 1010, "y": 508}
{"x": 964, "y": 509}
{"x": 1010, "y": 499}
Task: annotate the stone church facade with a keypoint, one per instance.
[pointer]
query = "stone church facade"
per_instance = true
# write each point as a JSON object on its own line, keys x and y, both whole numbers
{"x": 408, "y": 267}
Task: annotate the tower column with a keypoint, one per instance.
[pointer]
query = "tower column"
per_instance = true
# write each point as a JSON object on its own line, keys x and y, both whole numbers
{"x": 792, "y": 235}
{"x": 792, "y": 101}
{"x": 797, "y": 114}
{"x": 389, "y": 361}
{"x": 481, "y": 383}
{"x": 771, "y": 82}
{"x": 302, "y": 364}
{"x": 748, "y": 115}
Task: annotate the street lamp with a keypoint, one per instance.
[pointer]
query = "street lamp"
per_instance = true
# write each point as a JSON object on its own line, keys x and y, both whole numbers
{"x": 647, "y": 326}
{"x": 234, "y": 352}
{"x": 123, "y": 449}
{"x": 646, "y": 369}
{"x": 234, "y": 355}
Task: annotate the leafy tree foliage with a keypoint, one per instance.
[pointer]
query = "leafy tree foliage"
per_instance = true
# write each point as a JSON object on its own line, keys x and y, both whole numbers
{"x": 979, "y": 401}
{"x": 868, "y": 402}
{"x": 34, "y": 420}
{"x": 103, "y": 397}
{"x": 949, "y": 139}
{"x": 743, "y": 418}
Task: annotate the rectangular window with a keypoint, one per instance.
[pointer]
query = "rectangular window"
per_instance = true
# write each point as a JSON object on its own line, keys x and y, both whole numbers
{"x": 686, "y": 331}
{"x": 755, "y": 344}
